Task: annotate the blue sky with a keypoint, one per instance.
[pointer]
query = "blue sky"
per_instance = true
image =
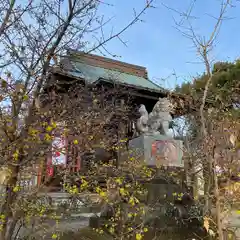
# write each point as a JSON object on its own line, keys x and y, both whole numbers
{"x": 159, "y": 46}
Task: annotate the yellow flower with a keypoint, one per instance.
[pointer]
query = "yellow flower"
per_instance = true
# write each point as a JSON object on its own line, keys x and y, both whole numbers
{"x": 119, "y": 180}
{"x": 16, "y": 189}
{"x": 73, "y": 190}
{"x": 47, "y": 137}
{"x": 131, "y": 201}
{"x": 90, "y": 137}
{"x": 49, "y": 129}
{"x": 32, "y": 132}
{"x": 75, "y": 141}
{"x": 44, "y": 124}
{"x": 16, "y": 155}
{"x": 148, "y": 173}
{"x": 103, "y": 194}
{"x": 98, "y": 189}
{"x": 54, "y": 125}
{"x": 25, "y": 97}
{"x": 84, "y": 184}
{"x": 118, "y": 213}
{"x": 123, "y": 192}
{"x": 54, "y": 236}
{"x": 238, "y": 211}
{"x": 139, "y": 236}
{"x": 145, "y": 229}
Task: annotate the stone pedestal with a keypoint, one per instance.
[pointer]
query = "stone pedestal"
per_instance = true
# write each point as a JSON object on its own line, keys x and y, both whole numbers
{"x": 157, "y": 150}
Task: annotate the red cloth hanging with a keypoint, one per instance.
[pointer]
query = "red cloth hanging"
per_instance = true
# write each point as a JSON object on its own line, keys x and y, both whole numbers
{"x": 50, "y": 170}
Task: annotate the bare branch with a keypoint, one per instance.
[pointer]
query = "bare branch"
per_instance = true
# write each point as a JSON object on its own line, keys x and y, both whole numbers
{"x": 136, "y": 18}
{"x": 6, "y": 19}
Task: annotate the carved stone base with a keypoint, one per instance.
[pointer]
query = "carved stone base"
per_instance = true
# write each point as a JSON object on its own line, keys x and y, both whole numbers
{"x": 157, "y": 150}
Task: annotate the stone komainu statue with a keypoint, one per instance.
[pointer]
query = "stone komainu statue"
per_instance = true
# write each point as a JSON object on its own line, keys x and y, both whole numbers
{"x": 158, "y": 121}
{"x": 142, "y": 122}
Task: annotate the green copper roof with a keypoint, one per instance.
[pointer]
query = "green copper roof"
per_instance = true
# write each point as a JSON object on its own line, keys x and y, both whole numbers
{"x": 92, "y": 74}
